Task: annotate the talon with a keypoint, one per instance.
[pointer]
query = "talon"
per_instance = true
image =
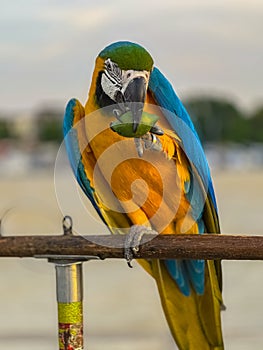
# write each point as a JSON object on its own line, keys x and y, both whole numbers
{"x": 133, "y": 240}
{"x": 129, "y": 264}
{"x": 152, "y": 142}
{"x": 156, "y": 130}
{"x": 156, "y": 144}
{"x": 117, "y": 113}
{"x": 128, "y": 254}
{"x": 139, "y": 147}
{"x": 147, "y": 139}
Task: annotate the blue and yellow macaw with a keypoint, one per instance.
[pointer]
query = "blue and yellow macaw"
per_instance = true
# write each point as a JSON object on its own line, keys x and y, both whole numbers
{"x": 174, "y": 193}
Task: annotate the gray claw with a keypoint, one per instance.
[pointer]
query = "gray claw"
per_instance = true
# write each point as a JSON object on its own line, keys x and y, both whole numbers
{"x": 133, "y": 240}
{"x": 139, "y": 146}
{"x": 152, "y": 142}
{"x": 117, "y": 113}
{"x": 156, "y": 130}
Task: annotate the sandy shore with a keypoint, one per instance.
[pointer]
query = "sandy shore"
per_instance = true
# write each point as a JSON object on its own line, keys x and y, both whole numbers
{"x": 122, "y": 309}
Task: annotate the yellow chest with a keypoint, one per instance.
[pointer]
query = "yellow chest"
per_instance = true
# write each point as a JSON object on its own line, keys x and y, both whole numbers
{"x": 149, "y": 190}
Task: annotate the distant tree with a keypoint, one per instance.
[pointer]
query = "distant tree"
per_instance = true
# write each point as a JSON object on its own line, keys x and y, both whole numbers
{"x": 49, "y": 125}
{"x": 256, "y": 123}
{"x": 4, "y": 129}
{"x": 218, "y": 120}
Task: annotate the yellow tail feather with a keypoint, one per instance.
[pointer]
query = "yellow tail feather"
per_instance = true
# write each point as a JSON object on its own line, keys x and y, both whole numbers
{"x": 193, "y": 320}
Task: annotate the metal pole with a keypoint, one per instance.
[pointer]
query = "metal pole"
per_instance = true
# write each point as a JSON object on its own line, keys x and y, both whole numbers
{"x": 69, "y": 285}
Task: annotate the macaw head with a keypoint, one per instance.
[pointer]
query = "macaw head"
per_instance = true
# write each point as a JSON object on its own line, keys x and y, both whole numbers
{"x": 124, "y": 78}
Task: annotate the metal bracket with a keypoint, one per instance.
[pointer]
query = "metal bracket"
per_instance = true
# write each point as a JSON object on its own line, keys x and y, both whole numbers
{"x": 67, "y": 259}
{"x": 67, "y": 225}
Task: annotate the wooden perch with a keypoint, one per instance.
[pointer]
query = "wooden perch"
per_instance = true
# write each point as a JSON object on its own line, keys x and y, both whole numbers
{"x": 207, "y": 246}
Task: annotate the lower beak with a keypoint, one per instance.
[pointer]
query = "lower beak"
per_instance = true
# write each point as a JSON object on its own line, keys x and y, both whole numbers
{"x": 135, "y": 94}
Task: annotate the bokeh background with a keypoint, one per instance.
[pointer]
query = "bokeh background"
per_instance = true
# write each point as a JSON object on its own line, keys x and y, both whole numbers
{"x": 212, "y": 53}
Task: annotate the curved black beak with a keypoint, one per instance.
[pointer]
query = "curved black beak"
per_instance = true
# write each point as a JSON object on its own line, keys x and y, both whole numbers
{"x": 135, "y": 94}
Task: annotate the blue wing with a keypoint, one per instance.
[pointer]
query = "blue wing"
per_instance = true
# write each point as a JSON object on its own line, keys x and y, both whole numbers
{"x": 181, "y": 122}
{"x": 190, "y": 272}
{"x": 73, "y": 117}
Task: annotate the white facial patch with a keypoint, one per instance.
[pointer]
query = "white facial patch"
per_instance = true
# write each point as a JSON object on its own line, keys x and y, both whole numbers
{"x": 108, "y": 86}
{"x": 129, "y": 75}
{"x": 114, "y": 79}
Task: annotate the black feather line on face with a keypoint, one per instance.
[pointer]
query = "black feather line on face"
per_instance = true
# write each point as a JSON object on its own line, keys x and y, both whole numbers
{"x": 102, "y": 99}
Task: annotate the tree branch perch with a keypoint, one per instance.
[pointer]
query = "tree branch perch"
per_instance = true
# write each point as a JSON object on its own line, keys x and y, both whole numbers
{"x": 207, "y": 246}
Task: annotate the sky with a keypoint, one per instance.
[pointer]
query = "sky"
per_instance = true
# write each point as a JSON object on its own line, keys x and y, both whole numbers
{"x": 48, "y": 48}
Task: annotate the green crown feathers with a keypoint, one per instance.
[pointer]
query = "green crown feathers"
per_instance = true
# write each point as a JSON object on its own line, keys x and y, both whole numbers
{"x": 128, "y": 55}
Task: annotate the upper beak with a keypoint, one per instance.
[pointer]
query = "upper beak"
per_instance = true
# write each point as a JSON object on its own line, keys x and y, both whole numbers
{"x": 135, "y": 93}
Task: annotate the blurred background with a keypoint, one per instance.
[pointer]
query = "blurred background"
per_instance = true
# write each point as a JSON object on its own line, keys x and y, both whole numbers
{"x": 212, "y": 53}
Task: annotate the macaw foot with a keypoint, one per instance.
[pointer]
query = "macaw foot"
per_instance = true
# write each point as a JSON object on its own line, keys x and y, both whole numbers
{"x": 149, "y": 141}
{"x": 133, "y": 240}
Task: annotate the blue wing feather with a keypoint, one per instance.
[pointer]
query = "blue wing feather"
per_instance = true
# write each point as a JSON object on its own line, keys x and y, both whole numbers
{"x": 192, "y": 271}
{"x": 73, "y": 150}
{"x": 181, "y": 122}
{"x": 177, "y": 270}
